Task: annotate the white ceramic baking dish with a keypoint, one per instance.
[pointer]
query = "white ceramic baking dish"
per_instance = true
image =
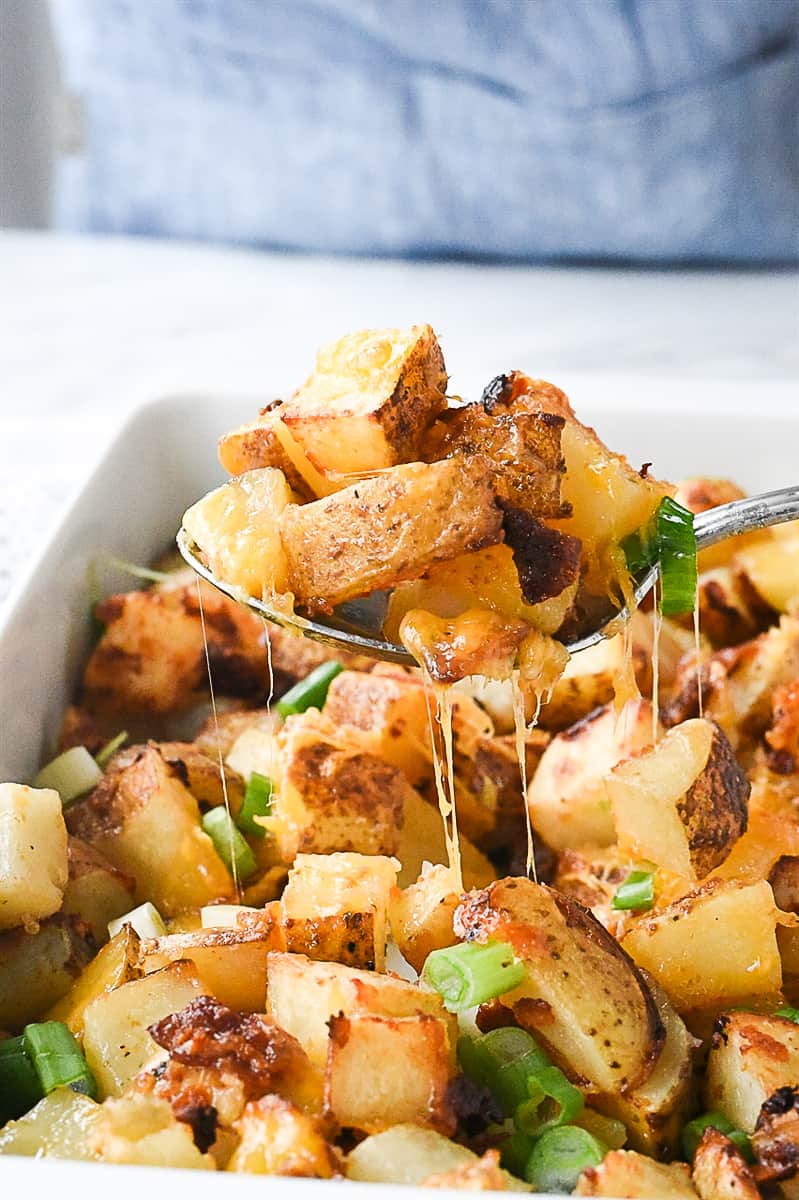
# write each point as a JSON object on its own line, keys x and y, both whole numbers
{"x": 162, "y": 459}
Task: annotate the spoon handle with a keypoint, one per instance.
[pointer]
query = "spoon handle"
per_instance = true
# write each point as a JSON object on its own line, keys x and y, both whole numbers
{"x": 742, "y": 516}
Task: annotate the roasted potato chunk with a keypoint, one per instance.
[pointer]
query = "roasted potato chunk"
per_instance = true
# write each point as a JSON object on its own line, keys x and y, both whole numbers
{"x": 275, "y": 1138}
{"x": 33, "y": 854}
{"x": 150, "y": 659}
{"x": 96, "y": 891}
{"x": 59, "y": 1126}
{"x": 200, "y": 772}
{"x": 145, "y": 822}
{"x": 406, "y": 1154}
{"x": 567, "y": 798}
{"x": 608, "y": 1041}
{"x": 751, "y": 1057}
{"x": 421, "y": 840}
{"x": 687, "y": 946}
{"x": 721, "y": 1171}
{"x": 304, "y": 995}
{"x": 421, "y": 915}
{"x": 389, "y": 714}
{"x": 382, "y": 530}
{"x": 117, "y": 963}
{"x": 37, "y": 969}
{"x": 730, "y": 610}
{"x": 335, "y": 907}
{"x": 236, "y": 530}
{"x": 383, "y": 1071}
{"x": 143, "y": 1130}
{"x": 627, "y": 1173}
{"x": 769, "y": 566}
{"x": 683, "y": 803}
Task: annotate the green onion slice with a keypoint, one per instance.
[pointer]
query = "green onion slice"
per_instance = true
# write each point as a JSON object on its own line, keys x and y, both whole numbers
{"x": 229, "y": 843}
{"x": 469, "y": 974}
{"x": 19, "y": 1084}
{"x": 146, "y": 920}
{"x": 72, "y": 774}
{"x": 790, "y": 1014}
{"x": 560, "y": 1156}
{"x": 693, "y": 1131}
{"x": 310, "y": 692}
{"x": 668, "y": 538}
{"x": 104, "y": 756}
{"x": 57, "y": 1059}
{"x": 553, "y": 1101}
{"x": 515, "y": 1151}
{"x": 637, "y": 891}
{"x": 257, "y": 802}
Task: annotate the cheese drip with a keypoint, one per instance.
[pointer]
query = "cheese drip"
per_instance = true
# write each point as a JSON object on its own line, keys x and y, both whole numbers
{"x": 521, "y": 729}
{"x": 442, "y": 722}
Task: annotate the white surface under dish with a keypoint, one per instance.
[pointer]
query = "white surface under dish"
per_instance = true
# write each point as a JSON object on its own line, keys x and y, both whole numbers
{"x": 161, "y": 460}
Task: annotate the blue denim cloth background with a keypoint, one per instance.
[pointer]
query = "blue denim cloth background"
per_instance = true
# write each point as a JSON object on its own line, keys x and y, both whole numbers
{"x": 643, "y": 129}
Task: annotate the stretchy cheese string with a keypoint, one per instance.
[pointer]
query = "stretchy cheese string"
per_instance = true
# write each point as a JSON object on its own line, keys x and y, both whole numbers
{"x": 444, "y": 806}
{"x": 657, "y": 625}
{"x": 222, "y": 779}
{"x": 268, "y": 641}
{"x": 521, "y": 729}
{"x": 444, "y": 712}
{"x": 698, "y": 648}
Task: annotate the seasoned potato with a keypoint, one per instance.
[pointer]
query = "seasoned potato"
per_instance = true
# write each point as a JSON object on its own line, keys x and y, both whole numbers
{"x": 489, "y": 785}
{"x": 770, "y": 567}
{"x": 683, "y": 803}
{"x": 421, "y": 915}
{"x": 335, "y": 907}
{"x": 231, "y": 962}
{"x": 389, "y": 713}
{"x": 236, "y": 528}
{"x": 304, "y": 995}
{"x": 627, "y": 1173}
{"x": 384, "y": 1071}
{"x": 406, "y": 1154}
{"x": 567, "y": 798}
{"x": 370, "y": 400}
{"x": 592, "y": 875}
{"x": 730, "y": 611}
{"x": 145, "y": 822}
{"x": 775, "y": 1140}
{"x": 331, "y": 797}
{"x": 721, "y": 1171}
{"x": 59, "y": 1126}
{"x": 687, "y": 946}
{"x": 751, "y": 1057}
{"x": 591, "y": 678}
{"x": 608, "y": 1041}
{"x": 267, "y": 442}
{"x": 117, "y": 963}
{"x": 33, "y": 854}
{"x": 275, "y": 1138}
{"x": 143, "y": 1130}
{"x": 200, "y": 773}
{"x": 37, "y": 969}
{"x": 96, "y": 891}
{"x": 421, "y": 840}
{"x": 784, "y": 880}
{"x": 151, "y": 659}
{"x": 115, "y": 1038}
{"x": 380, "y": 531}
{"x": 485, "y": 1175}
{"x": 655, "y": 1111}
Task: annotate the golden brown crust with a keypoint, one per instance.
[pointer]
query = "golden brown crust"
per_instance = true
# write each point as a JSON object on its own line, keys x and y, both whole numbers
{"x": 714, "y": 810}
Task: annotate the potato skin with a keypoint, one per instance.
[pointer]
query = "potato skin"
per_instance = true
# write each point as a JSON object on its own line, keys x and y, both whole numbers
{"x": 714, "y": 810}
{"x": 383, "y": 530}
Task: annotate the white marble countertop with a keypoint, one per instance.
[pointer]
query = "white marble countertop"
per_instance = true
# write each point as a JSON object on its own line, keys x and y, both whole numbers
{"x": 90, "y": 327}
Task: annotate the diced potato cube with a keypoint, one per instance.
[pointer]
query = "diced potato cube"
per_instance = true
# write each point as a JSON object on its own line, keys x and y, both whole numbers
{"x": 267, "y": 442}
{"x": 591, "y": 678}
{"x": 117, "y": 963}
{"x": 410, "y": 1154}
{"x": 33, "y": 854}
{"x": 335, "y": 907}
{"x": 751, "y": 1056}
{"x": 384, "y": 1071}
{"x": 627, "y": 1173}
{"x": 390, "y": 714}
{"x": 143, "y": 1130}
{"x": 421, "y": 915}
{"x": 567, "y": 797}
{"x": 96, "y": 891}
{"x": 609, "y": 1038}
{"x": 37, "y": 969}
{"x": 772, "y": 567}
{"x": 59, "y": 1126}
{"x": 421, "y": 840}
{"x": 683, "y": 803}
{"x": 689, "y": 949}
{"x": 115, "y": 1038}
{"x": 382, "y": 530}
{"x": 304, "y": 995}
{"x": 236, "y": 528}
{"x": 721, "y": 1171}
{"x": 277, "y": 1139}
{"x": 145, "y": 822}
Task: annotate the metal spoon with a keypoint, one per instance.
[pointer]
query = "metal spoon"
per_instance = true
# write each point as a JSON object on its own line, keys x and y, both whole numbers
{"x": 356, "y": 626}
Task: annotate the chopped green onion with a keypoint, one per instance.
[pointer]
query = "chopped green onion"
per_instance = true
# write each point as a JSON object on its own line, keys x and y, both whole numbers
{"x": 19, "y": 1084}
{"x": 145, "y": 920}
{"x": 72, "y": 774}
{"x": 310, "y": 692}
{"x": 57, "y": 1059}
{"x": 104, "y": 756}
{"x": 790, "y": 1014}
{"x": 146, "y": 573}
{"x": 553, "y": 1101}
{"x": 560, "y": 1156}
{"x": 257, "y": 803}
{"x": 469, "y": 974}
{"x": 668, "y": 538}
{"x": 515, "y": 1151}
{"x": 229, "y": 843}
{"x": 223, "y": 916}
{"x": 637, "y": 891}
{"x": 693, "y": 1131}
